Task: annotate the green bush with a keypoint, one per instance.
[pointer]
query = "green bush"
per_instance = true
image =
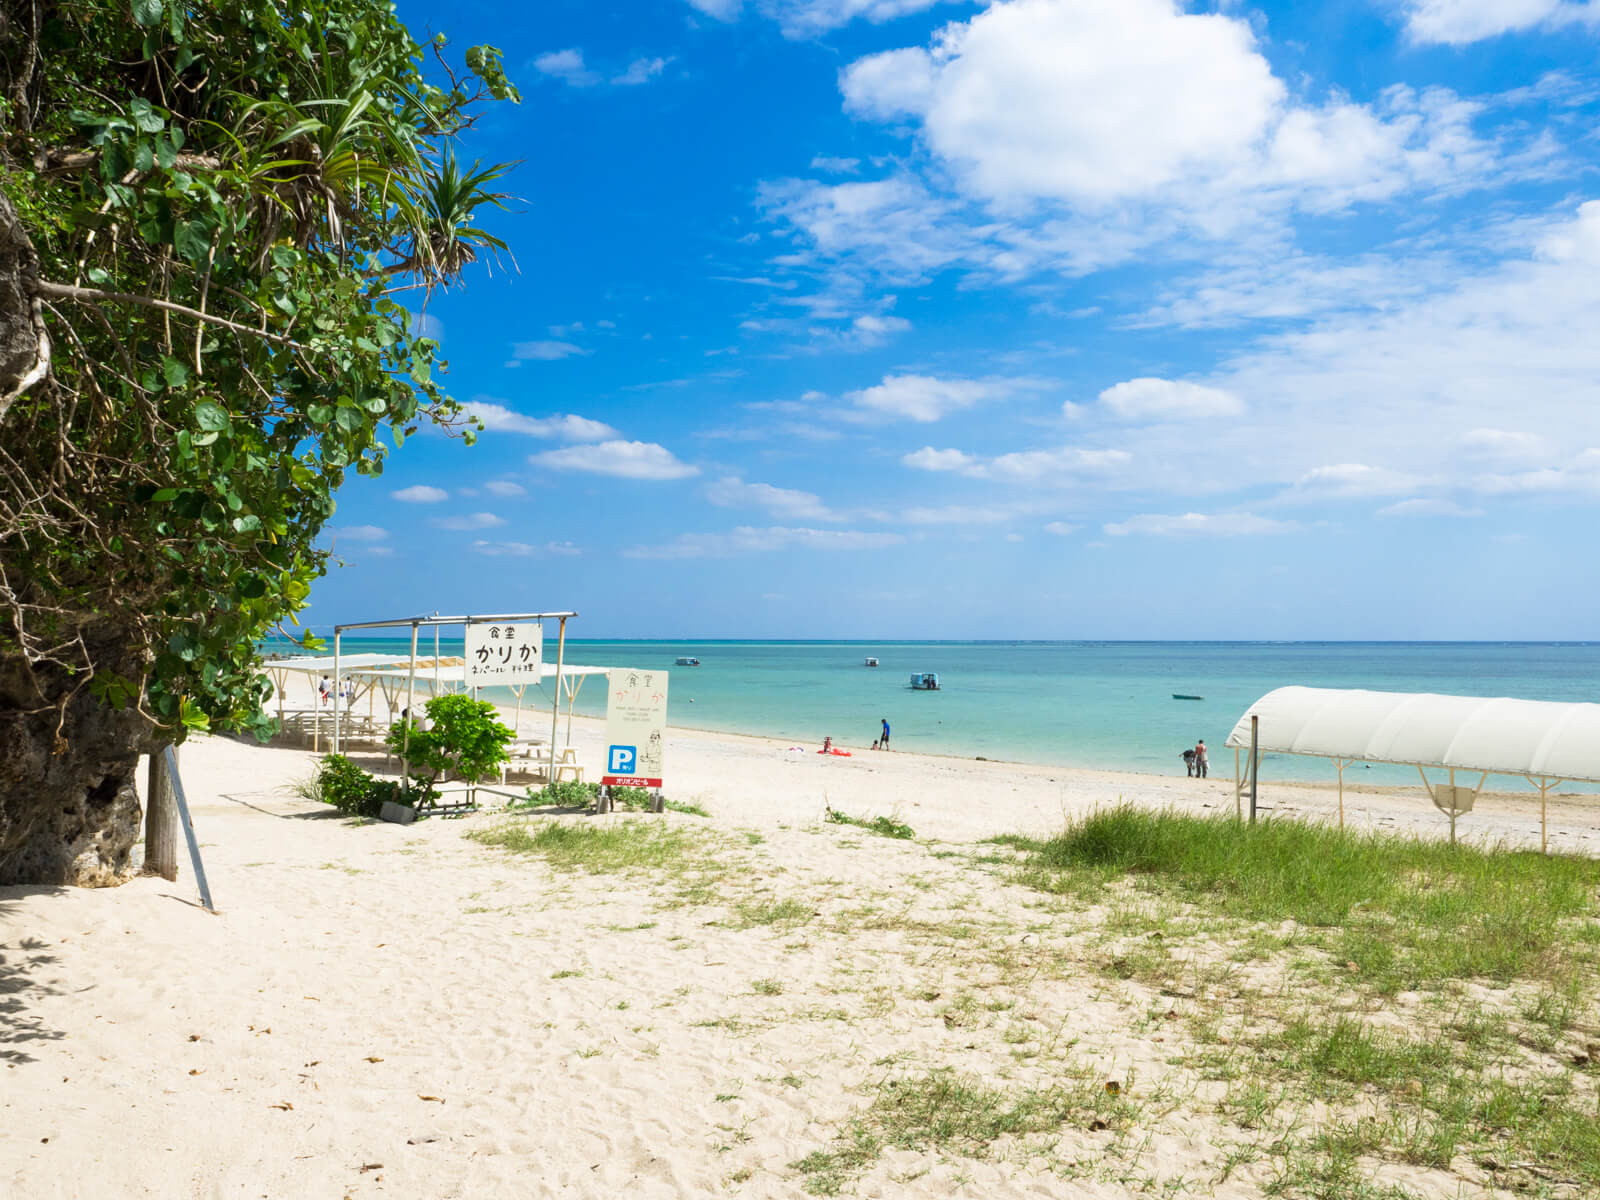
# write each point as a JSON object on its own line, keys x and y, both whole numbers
{"x": 631, "y": 799}
{"x": 357, "y": 793}
{"x": 565, "y": 793}
{"x": 464, "y": 737}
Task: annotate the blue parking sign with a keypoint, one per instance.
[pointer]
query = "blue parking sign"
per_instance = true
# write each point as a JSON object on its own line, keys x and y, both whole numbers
{"x": 622, "y": 760}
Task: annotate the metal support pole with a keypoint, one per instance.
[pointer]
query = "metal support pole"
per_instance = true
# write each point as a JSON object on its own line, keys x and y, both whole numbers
{"x": 411, "y": 715}
{"x": 1255, "y": 762}
{"x": 188, "y": 830}
{"x": 1452, "y": 806}
{"x": 336, "y": 690}
{"x": 555, "y": 709}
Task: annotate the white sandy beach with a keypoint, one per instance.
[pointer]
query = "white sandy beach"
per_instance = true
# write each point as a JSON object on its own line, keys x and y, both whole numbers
{"x": 388, "y": 1011}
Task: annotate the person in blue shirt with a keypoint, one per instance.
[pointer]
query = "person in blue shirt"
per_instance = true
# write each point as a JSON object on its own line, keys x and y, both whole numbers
{"x": 883, "y": 740}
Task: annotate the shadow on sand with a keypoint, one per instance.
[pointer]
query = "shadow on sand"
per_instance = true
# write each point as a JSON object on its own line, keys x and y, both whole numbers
{"x": 21, "y": 963}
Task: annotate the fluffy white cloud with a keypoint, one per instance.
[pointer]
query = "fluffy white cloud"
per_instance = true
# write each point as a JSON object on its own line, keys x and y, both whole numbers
{"x": 1060, "y": 528}
{"x": 360, "y": 533}
{"x": 748, "y": 539}
{"x": 1340, "y": 481}
{"x": 733, "y": 492}
{"x": 1505, "y": 445}
{"x": 1098, "y": 102}
{"x": 1233, "y": 524}
{"x": 625, "y": 460}
{"x": 421, "y": 493}
{"x": 1429, "y": 507}
{"x": 836, "y": 166}
{"x": 504, "y": 488}
{"x": 929, "y": 459}
{"x": 926, "y": 398}
{"x": 1168, "y": 400}
{"x": 1457, "y": 22}
{"x": 568, "y": 427}
{"x": 957, "y": 514}
{"x": 809, "y": 18}
{"x": 640, "y": 70}
{"x": 546, "y": 351}
{"x": 477, "y": 520}
{"x": 504, "y": 549}
{"x": 567, "y": 66}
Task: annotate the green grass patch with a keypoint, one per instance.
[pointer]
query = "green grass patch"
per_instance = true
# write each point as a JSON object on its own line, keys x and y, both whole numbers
{"x": 882, "y": 826}
{"x": 955, "y": 1115}
{"x": 786, "y": 913}
{"x": 610, "y": 847}
{"x": 1405, "y": 912}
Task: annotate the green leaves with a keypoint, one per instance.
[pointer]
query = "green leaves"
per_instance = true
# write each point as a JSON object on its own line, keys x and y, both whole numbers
{"x": 148, "y": 12}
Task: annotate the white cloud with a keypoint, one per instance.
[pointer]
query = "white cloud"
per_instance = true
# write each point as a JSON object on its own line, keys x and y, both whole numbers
{"x": 957, "y": 514}
{"x": 809, "y": 18}
{"x": 546, "y": 351}
{"x": 925, "y": 398}
{"x": 1060, "y": 528}
{"x": 1505, "y": 444}
{"x": 1061, "y": 463}
{"x": 504, "y": 488}
{"x": 568, "y": 427}
{"x": 1457, "y": 22}
{"x": 625, "y": 460}
{"x": 836, "y": 166}
{"x": 1168, "y": 400}
{"x": 1107, "y": 101}
{"x": 477, "y": 520}
{"x": 360, "y": 533}
{"x": 641, "y": 70}
{"x": 748, "y": 539}
{"x": 567, "y": 66}
{"x": 1429, "y": 507}
{"x": 1235, "y": 524}
{"x": 929, "y": 459}
{"x": 733, "y": 492}
{"x": 421, "y": 494}
{"x": 504, "y": 549}
{"x": 1342, "y": 481}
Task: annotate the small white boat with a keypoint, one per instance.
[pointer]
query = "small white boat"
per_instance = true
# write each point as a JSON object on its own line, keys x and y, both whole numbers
{"x": 925, "y": 681}
{"x": 686, "y": 661}
{"x": 871, "y": 662}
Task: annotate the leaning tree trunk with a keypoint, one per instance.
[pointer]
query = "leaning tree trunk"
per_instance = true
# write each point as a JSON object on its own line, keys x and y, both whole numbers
{"x": 160, "y": 819}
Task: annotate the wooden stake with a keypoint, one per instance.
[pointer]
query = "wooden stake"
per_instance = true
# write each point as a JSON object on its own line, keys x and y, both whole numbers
{"x": 160, "y": 821}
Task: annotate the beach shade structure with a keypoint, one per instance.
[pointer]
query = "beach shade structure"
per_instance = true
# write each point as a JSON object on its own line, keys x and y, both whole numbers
{"x": 354, "y": 670}
{"x": 1545, "y": 742}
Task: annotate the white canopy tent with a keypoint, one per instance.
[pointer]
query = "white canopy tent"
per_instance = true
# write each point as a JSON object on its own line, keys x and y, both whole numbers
{"x": 1544, "y": 742}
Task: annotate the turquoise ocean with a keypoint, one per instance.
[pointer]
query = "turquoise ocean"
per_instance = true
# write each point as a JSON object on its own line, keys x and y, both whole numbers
{"x": 1105, "y": 705}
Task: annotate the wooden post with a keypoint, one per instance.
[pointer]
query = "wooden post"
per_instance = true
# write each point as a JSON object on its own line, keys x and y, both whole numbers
{"x": 160, "y": 821}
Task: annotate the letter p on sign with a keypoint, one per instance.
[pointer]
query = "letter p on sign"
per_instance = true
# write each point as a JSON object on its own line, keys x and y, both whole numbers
{"x": 621, "y": 760}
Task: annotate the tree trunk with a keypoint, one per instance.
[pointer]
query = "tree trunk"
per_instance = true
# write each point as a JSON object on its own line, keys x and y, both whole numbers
{"x": 160, "y": 820}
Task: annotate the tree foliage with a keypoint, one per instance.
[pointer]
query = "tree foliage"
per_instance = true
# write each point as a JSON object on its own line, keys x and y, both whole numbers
{"x": 218, "y": 208}
{"x": 464, "y": 737}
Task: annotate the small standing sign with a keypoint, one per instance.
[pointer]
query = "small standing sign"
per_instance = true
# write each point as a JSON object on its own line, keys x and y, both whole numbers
{"x": 636, "y": 728}
{"x": 499, "y": 654}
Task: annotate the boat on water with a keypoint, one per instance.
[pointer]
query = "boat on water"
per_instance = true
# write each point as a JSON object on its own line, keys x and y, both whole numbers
{"x": 871, "y": 662}
{"x": 1181, "y": 696}
{"x": 686, "y": 661}
{"x": 925, "y": 681}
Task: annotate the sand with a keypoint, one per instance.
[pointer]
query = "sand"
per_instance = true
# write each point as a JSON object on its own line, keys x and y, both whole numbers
{"x": 399, "y": 1011}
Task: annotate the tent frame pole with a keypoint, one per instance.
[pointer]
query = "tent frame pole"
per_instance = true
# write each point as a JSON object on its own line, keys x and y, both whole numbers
{"x": 1339, "y": 764}
{"x": 555, "y": 709}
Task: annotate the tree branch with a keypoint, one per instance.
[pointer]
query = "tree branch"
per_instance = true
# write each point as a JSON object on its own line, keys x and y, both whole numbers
{"x": 83, "y": 295}
{"x": 40, "y": 368}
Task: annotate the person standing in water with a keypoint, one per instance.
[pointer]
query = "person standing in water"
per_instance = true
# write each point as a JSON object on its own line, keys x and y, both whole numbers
{"x": 883, "y": 738}
{"x": 1200, "y": 758}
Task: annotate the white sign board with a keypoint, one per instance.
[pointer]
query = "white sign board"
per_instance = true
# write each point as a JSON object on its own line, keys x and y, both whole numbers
{"x": 636, "y": 728}
{"x": 499, "y": 654}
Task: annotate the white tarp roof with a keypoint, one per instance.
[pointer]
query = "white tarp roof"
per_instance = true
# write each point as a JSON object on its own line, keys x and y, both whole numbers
{"x": 1476, "y": 733}
{"x": 388, "y": 664}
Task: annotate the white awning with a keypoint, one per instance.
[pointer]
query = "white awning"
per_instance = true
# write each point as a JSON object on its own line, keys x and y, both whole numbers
{"x": 1531, "y": 738}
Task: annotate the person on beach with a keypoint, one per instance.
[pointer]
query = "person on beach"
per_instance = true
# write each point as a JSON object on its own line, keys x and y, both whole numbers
{"x": 322, "y": 689}
{"x": 1188, "y": 762}
{"x": 827, "y": 745}
{"x": 883, "y": 738}
{"x": 1200, "y": 758}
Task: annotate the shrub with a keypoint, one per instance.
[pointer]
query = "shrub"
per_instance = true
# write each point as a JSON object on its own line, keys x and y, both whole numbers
{"x": 357, "y": 793}
{"x": 464, "y": 737}
{"x": 565, "y": 793}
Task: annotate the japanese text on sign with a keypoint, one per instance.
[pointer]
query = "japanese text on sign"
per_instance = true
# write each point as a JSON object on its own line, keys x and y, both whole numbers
{"x": 504, "y": 654}
{"x": 636, "y": 728}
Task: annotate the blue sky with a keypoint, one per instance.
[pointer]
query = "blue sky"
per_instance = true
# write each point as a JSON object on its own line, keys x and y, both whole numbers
{"x": 1038, "y": 319}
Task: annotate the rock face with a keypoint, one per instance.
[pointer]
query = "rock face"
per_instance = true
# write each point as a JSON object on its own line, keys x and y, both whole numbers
{"x": 69, "y": 811}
